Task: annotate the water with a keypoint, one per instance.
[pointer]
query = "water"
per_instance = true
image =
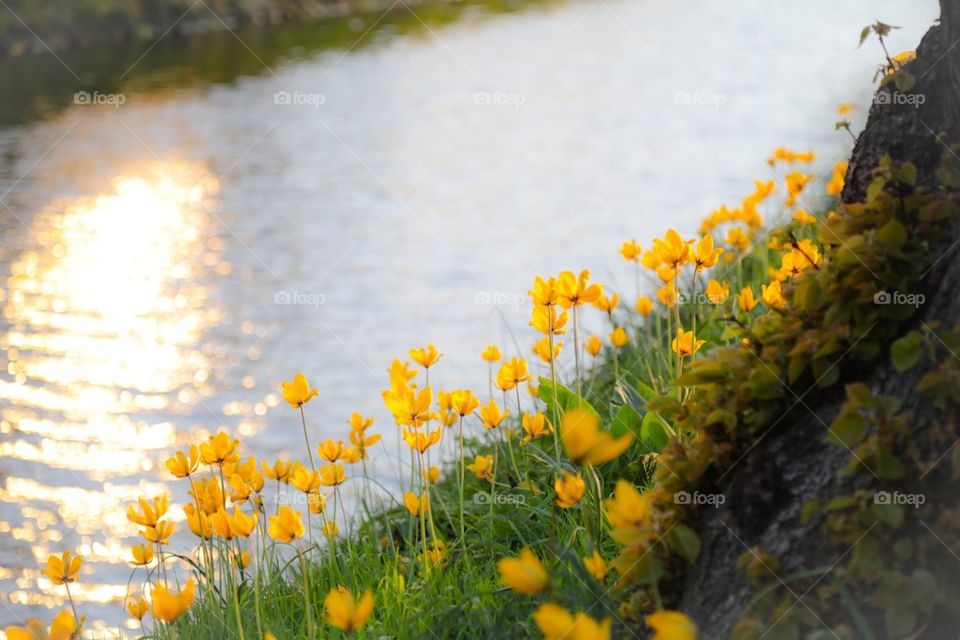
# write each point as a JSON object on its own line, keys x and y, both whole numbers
{"x": 171, "y": 259}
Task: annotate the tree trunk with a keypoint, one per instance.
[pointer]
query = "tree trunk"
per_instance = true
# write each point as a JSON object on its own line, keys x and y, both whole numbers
{"x": 765, "y": 492}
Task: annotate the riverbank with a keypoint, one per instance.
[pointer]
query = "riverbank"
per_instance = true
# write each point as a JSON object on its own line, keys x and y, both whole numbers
{"x": 28, "y": 27}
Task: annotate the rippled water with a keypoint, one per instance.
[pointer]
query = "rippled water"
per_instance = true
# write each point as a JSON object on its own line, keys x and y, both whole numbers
{"x": 170, "y": 260}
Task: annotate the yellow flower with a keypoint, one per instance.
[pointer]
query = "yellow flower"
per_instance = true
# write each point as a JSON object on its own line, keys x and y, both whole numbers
{"x": 317, "y": 502}
{"x": 228, "y": 526}
{"x": 298, "y": 392}
{"x": 240, "y": 490}
{"x": 142, "y": 554}
{"x": 667, "y": 273}
{"x": 596, "y": 566}
{"x": 844, "y": 108}
{"x": 746, "y": 301}
{"x": 795, "y": 182}
{"x": 426, "y": 357}
{"x": 247, "y": 472}
{"x": 619, "y": 338}
{"x": 901, "y": 59}
{"x": 542, "y": 349}
{"x": 482, "y": 467}
{"x": 331, "y": 451}
{"x": 330, "y": 529}
{"x": 207, "y": 492}
{"x": 199, "y": 525}
{"x": 421, "y": 441}
{"x": 149, "y": 513}
{"x": 415, "y": 504}
{"x": 167, "y": 606}
{"x": 586, "y": 443}
{"x": 738, "y": 239}
{"x": 835, "y": 185}
{"x": 667, "y": 295}
{"x": 644, "y": 306}
{"x": 627, "y": 511}
{"x": 280, "y": 471}
{"x": 63, "y": 569}
{"x": 800, "y": 215}
{"x": 673, "y": 251}
{"x": 704, "y": 255}
{"x": 137, "y": 607}
{"x": 575, "y": 290}
{"x": 63, "y": 627}
{"x": 535, "y": 425}
{"x": 685, "y": 344}
{"x": 346, "y": 614}
{"x": 400, "y": 373}
{"x": 544, "y": 292}
{"x": 464, "y": 402}
{"x": 333, "y": 474}
{"x": 303, "y": 479}
{"x": 593, "y": 345}
{"x": 182, "y": 465}
{"x": 358, "y": 423}
{"x": 717, "y": 292}
{"x": 219, "y": 449}
{"x": 556, "y": 623}
{"x": 631, "y": 251}
{"x": 569, "y": 490}
{"x": 491, "y": 353}
{"x": 432, "y": 475}
{"x": 650, "y": 260}
{"x": 671, "y": 625}
{"x": 512, "y": 373}
{"x": 491, "y": 415}
{"x": 449, "y": 418}
{"x": 524, "y": 574}
{"x": 286, "y": 526}
{"x": 411, "y": 408}
{"x": 771, "y": 295}
{"x": 242, "y": 560}
{"x": 159, "y": 534}
{"x": 546, "y": 320}
{"x": 607, "y": 304}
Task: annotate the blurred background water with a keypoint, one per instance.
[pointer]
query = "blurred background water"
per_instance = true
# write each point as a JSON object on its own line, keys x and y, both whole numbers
{"x": 322, "y": 198}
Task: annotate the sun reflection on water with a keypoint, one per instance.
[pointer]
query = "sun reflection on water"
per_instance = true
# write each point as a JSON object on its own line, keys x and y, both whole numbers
{"x": 105, "y": 311}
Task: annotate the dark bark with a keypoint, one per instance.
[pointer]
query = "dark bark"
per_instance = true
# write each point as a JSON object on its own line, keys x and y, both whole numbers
{"x": 765, "y": 492}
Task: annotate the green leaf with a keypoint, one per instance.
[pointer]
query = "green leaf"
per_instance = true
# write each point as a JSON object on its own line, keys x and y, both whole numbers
{"x": 904, "y": 80}
{"x": 841, "y": 502}
{"x": 627, "y": 420}
{"x": 652, "y": 434}
{"x": 685, "y": 542}
{"x": 864, "y": 34}
{"x": 905, "y": 352}
{"x": 890, "y": 514}
{"x": 907, "y": 173}
{"x": 901, "y": 621}
{"x": 645, "y": 390}
{"x": 948, "y": 173}
{"x": 566, "y": 399}
{"x": 892, "y": 235}
{"x": 847, "y": 430}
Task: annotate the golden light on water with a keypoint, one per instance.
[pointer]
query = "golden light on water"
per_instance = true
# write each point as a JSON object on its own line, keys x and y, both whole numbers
{"x": 106, "y": 313}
